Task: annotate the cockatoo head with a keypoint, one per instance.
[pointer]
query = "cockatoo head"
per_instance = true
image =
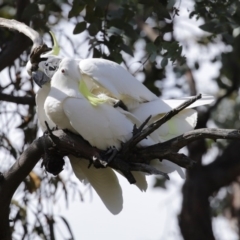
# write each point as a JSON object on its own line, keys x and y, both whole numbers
{"x": 47, "y": 67}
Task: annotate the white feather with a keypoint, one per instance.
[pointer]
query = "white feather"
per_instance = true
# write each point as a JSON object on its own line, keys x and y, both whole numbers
{"x": 104, "y": 181}
{"x": 113, "y": 79}
{"x": 40, "y": 99}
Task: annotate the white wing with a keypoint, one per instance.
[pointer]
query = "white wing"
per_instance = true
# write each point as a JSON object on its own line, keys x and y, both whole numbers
{"x": 159, "y": 106}
{"x": 114, "y": 80}
{"x": 104, "y": 181}
{"x": 205, "y": 100}
{"x": 167, "y": 167}
{"x": 102, "y": 126}
{"x": 183, "y": 122}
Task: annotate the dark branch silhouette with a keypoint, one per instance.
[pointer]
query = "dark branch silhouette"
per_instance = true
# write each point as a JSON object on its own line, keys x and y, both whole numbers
{"x": 202, "y": 183}
{"x": 17, "y": 99}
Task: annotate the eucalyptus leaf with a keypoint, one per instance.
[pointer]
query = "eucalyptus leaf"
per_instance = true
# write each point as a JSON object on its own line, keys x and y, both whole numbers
{"x": 164, "y": 62}
{"x": 80, "y": 27}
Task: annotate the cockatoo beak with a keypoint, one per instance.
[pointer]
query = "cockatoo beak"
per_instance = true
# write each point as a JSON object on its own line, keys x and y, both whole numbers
{"x": 40, "y": 78}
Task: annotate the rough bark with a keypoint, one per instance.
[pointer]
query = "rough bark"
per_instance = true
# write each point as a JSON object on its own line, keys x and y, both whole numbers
{"x": 201, "y": 184}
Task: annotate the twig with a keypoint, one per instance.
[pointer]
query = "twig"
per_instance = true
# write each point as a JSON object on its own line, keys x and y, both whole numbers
{"x": 141, "y": 167}
{"x": 17, "y": 100}
{"x": 152, "y": 127}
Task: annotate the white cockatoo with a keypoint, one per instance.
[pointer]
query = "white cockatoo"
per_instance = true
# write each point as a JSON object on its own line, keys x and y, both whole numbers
{"x": 104, "y": 181}
{"x": 83, "y": 96}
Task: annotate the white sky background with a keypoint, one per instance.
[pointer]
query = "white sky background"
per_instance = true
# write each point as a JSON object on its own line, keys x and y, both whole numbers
{"x": 151, "y": 215}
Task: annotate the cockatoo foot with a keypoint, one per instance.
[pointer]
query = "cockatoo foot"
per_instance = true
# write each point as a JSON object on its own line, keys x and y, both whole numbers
{"x": 53, "y": 162}
{"x": 109, "y": 155}
{"x": 121, "y": 105}
{"x": 50, "y": 130}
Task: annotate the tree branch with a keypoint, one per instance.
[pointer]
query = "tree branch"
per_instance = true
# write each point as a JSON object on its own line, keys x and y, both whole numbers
{"x": 17, "y": 100}
{"x": 20, "y": 42}
{"x": 11, "y": 180}
{"x": 23, "y": 28}
{"x": 140, "y": 134}
{"x": 203, "y": 182}
{"x": 13, "y": 50}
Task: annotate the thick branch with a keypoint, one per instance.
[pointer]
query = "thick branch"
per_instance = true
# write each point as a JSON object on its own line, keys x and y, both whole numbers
{"x": 203, "y": 182}
{"x": 20, "y": 42}
{"x": 17, "y": 100}
{"x": 13, "y": 50}
{"x": 175, "y": 144}
{"x": 23, "y": 28}
{"x": 12, "y": 179}
{"x": 138, "y": 158}
{"x": 168, "y": 150}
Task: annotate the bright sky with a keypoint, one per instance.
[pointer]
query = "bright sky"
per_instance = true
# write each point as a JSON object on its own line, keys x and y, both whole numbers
{"x": 149, "y": 215}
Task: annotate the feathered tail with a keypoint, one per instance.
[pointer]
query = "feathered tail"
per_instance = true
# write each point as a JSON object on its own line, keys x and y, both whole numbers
{"x": 104, "y": 181}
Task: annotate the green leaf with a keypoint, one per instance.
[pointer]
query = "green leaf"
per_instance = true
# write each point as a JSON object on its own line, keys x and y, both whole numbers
{"x": 99, "y": 12}
{"x": 115, "y": 40}
{"x": 171, "y": 4}
{"x": 151, "y": 48}
{"x": 164, "y": 62}
{"x": 192, "y": 14}
{"x": 130, "y": 31}
{"x": 30, "y": 10}
{"x": 80, "y": 27}
{"x": 126, "y": 49}
{"x": 160, "y": 182}
{"x": 93, "y": 29}
{"x": 96, "y": 53}
{"x": 54, "y": 7}
{"x": 158, "y": 41}
{"x": 153, "y": 57}
{"x": 90, "y": 16}
{"x": 44, "y": 1}
{"x": 213, "y": 27}
{"x": 77, "y": 7}
{"x": 162, "y": 12}
{"x": 102, "y": 3}
{"x": 117, "y": 57}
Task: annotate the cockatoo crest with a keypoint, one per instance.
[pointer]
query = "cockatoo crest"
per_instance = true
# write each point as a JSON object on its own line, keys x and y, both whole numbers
{"x": 56, "y": 49}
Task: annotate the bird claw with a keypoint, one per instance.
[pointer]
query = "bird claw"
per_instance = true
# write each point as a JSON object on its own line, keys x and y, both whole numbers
{"x": 108, "y": 156}
{"x": 120, "y": 104}
{"x": 49, "y": 130}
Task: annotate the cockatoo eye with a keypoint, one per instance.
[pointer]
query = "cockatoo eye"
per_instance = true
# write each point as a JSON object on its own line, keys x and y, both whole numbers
{"x": 63, "y": 71}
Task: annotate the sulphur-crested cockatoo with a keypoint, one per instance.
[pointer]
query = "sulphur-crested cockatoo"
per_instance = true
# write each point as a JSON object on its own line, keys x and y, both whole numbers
{"x": 81, "y": 99}
{"x": 104, "y": 181}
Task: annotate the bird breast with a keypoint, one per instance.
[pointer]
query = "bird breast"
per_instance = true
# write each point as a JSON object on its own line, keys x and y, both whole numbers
{"x": 54, "y": 110}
